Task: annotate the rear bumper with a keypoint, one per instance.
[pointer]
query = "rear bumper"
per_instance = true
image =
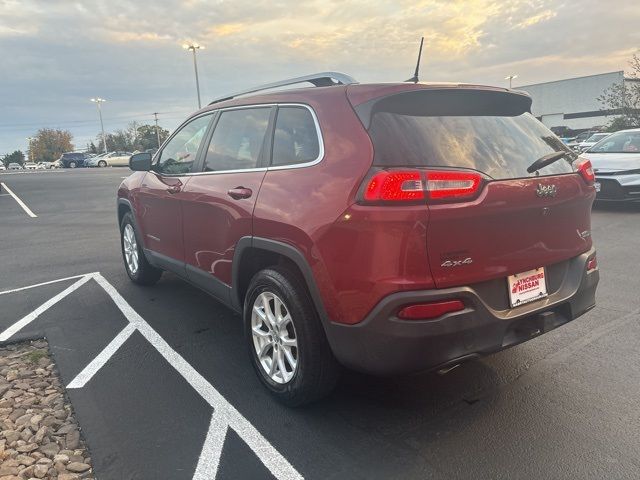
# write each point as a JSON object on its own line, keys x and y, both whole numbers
{"x": 382, "y": 344}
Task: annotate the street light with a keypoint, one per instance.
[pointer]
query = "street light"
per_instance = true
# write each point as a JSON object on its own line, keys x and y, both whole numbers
{"x": 99, "y": 101}
{"x": 193, "y": 47}
{"x": 29, "y": 139}
{"x": 510, "y": 78}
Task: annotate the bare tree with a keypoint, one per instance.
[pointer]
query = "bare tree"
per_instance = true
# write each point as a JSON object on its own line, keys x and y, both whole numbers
{"x": 623, "y": 99}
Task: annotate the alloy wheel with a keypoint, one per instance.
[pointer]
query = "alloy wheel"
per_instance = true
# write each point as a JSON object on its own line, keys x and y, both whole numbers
{"x": 130, "y": 246}
{"x": 274, "y": 337}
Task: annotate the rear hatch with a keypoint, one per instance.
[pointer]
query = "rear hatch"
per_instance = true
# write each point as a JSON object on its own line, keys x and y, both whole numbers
{"x": 488, "y": 217}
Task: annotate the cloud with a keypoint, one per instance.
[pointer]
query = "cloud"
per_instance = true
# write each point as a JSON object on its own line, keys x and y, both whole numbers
{"x": 64, "y": 51}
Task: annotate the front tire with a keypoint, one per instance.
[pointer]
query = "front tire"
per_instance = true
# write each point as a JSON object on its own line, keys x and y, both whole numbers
{"x": 140, "y": 271}
{"x": 287, "y": 344}
{"x": 72, "y": 165}
{"x": 102, "y": 164}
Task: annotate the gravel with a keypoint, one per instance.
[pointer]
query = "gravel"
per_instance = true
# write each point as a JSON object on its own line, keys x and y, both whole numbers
{"x": 39, "y": 437}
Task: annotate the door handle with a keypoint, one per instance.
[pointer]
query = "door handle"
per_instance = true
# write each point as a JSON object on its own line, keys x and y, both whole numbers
{"x": 174, "y": 189}
{"x": 239, "y": 192}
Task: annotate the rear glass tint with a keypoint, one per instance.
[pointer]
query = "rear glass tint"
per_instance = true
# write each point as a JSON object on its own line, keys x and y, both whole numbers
{"x": 485, "y": 131}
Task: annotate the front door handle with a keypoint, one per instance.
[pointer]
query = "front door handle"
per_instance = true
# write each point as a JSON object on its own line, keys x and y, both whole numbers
{"x": 174, "y": 189}
{"x": 239, "y": 192}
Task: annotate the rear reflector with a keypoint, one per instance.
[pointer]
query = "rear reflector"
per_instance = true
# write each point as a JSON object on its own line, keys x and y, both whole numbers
{"x": 586, "y": 171}
{"x": 444, "y": 185}
{"x": 592, "y": 264}
{"x": 426, "y": 311}
{"x": 395, "y": 185}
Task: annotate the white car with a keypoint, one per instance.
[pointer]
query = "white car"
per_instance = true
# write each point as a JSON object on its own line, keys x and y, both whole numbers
{"x": 118, "y": 159}
{"x": 591, "y": 141}
{"x": 2, "y": 167}
{"x": 14, "y": 166}
{"x": 616, "y": 164}
{"x": 97, "y": 161}
{"x": 30, "y": 166}
{"x": 47, "y": 165}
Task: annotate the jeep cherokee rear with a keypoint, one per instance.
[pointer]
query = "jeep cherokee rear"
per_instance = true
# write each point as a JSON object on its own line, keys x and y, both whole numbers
{"x": 389, "y": 228}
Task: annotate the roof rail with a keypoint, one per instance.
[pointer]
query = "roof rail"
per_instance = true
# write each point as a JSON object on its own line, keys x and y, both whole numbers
{"x": 323, "y": 79}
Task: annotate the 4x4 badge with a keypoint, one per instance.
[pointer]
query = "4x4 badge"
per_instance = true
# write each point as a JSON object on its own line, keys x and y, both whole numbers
{"x": 456, "y": 263}
{"x": 546, "y": 190}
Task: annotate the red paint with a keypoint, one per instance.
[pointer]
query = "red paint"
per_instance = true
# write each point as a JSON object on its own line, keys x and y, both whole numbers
{"x": 427, "y": 311}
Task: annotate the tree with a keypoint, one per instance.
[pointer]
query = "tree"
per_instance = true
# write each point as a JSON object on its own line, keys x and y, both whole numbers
{"x": 48, "y": 144}
{"x": 15, "y": 157}
{"x": 623, "y": 99}
{"x": 91, "y": 147}
{"x": 134, "y": 137}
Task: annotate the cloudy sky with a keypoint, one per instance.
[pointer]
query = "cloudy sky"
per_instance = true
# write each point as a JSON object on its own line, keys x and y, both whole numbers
{"x": 56, "y": 54}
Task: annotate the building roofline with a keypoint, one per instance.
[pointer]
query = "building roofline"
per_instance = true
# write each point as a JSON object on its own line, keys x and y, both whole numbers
{"x": 572, "y": 78}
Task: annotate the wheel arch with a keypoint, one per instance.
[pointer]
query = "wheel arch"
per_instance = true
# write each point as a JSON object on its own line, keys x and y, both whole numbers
{"x": 253, "y": 254}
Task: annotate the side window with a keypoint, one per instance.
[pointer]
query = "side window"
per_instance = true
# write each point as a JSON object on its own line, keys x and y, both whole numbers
{"x": 295, "y": 138}
{"x": 237, "y": 139}
{"x": 178, "y": 155}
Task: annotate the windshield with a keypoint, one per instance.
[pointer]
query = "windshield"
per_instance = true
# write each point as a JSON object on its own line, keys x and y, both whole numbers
{"x": 597, "y": 137}
{"x": 620, "y": 142}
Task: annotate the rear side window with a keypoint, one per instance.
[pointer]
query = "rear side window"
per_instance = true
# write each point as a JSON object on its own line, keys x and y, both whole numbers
{"x": 471, "y": 129}
{"x": 237, "y": 140}
{"x": 295, "y": 139}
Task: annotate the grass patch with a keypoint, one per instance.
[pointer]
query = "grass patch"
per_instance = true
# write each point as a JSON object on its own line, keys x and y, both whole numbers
{"x": 35, "y": 355}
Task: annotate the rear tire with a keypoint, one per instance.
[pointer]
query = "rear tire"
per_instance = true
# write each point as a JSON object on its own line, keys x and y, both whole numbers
{"x": 294, "y": 320}
{"x": 140, "y": 271}
{"x": 72, "y": 164}
{"x": 102, "y": 163}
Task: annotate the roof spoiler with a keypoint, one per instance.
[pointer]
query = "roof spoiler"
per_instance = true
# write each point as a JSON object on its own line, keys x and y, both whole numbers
{"x": 323, "y": 79}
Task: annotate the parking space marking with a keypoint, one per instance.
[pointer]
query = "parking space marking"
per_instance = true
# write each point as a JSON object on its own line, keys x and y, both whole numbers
{"x": 4, "y": 292}
{"x": 20, "y": 202}
{"x": 97, "y": 363}
{"x": 224, "y": 415}
{"x": 31, "y": 172}
{"x": 27, "y": 319}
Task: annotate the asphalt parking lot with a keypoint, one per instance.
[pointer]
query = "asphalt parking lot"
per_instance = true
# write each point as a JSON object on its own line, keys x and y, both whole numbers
{"x": 163, "y": 388}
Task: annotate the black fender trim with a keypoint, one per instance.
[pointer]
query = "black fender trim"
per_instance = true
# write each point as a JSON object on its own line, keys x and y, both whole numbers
{"x": 286, "y": 250}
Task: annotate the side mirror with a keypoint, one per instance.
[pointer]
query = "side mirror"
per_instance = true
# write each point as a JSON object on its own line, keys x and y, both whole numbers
{"x": 140, "y": 162}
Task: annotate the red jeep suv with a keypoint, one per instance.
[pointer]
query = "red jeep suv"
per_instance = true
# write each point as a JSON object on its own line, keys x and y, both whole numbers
{"x": 389, "y": 228}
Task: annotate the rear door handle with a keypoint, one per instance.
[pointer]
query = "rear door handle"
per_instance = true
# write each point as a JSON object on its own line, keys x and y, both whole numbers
{"x": 239, "y": 192}
{"x": 174, "y": 189}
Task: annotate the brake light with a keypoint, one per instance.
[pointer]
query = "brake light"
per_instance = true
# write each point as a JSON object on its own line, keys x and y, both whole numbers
{"x": 443, "y": 185}
{"x": 592, "y": 264}
{"x": 395, "y": 185}
{"x": 427, "y": 311}
{"x": 586, "y": 171}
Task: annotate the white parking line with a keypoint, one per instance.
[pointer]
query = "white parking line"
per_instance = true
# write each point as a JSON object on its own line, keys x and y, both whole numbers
{"x": 27, "y": 319}
{"x": 45, "y": 283}
{"x": 224, "y": 416}
{"x": 97, "y": 363}
{"x": 31, "y": 172}
{"x": 20, "y": 202}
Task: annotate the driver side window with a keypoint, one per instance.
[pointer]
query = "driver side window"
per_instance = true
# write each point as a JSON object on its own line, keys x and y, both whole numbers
{"x": 178, "y": 155}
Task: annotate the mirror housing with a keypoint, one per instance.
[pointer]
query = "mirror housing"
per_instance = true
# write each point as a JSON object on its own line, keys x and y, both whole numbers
{"x": 140, "y": 162}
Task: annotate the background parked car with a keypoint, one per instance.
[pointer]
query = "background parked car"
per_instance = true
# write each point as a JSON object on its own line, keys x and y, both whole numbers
{"x": 616, "y": 163}
{"x": 118, "y": 159}
{"x": 2, "y": 167}
{"x": 30, "y": 166}
{"x": 73, "y": 159}
{"x": 591, "y": 141}
{"x": 97, "y": 161}
{"x": 48, "y": 165}
{"x": 14, "y": 166}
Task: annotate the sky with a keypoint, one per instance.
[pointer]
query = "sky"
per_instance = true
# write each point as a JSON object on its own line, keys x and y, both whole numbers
{"x": 57, "y": 54}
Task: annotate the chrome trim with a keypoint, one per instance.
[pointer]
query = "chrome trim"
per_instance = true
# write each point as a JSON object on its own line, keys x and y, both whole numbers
{"x": 279, "y": 167}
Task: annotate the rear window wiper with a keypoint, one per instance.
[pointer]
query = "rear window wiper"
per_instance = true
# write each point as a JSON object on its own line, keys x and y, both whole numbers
{"x": 546, "y": 160}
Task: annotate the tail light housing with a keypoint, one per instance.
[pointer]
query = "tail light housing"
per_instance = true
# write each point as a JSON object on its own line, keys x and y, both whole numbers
{"x": 585, "y": 169}
{"x": 416, "y": 186}
{"x": 431, "y": 310}
{"x": 592, "y": 263}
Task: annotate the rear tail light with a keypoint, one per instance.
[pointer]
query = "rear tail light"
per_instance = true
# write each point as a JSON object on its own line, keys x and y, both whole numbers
{"x": 586, "y": 171}
{"x": 452, "y": 184}
{"x": 592, "y": 264}
{"x": 418, "y": 185}
{"x": 427, "y": 311}
{"x": 395, "y": 185}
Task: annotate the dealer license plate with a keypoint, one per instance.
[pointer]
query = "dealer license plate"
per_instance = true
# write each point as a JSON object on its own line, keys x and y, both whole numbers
{"x": 527, "y": 287}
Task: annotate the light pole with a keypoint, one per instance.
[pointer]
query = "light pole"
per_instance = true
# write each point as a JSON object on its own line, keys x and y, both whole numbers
{"x": 98, "y": 101}
{"x": 510, "y": 78}
{"x": 29, "y": 139}
{"x": 193, "y": 47}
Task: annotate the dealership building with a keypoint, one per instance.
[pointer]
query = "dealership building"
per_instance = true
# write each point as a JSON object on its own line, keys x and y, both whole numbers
{"x": 573, "y": 103}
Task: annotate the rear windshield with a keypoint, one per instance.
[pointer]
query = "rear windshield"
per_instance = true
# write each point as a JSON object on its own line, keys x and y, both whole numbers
{"x": 491, "y": 132}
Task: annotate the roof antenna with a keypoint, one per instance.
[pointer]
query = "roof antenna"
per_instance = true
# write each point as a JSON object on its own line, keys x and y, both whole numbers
{"x": 414, "y": 79}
